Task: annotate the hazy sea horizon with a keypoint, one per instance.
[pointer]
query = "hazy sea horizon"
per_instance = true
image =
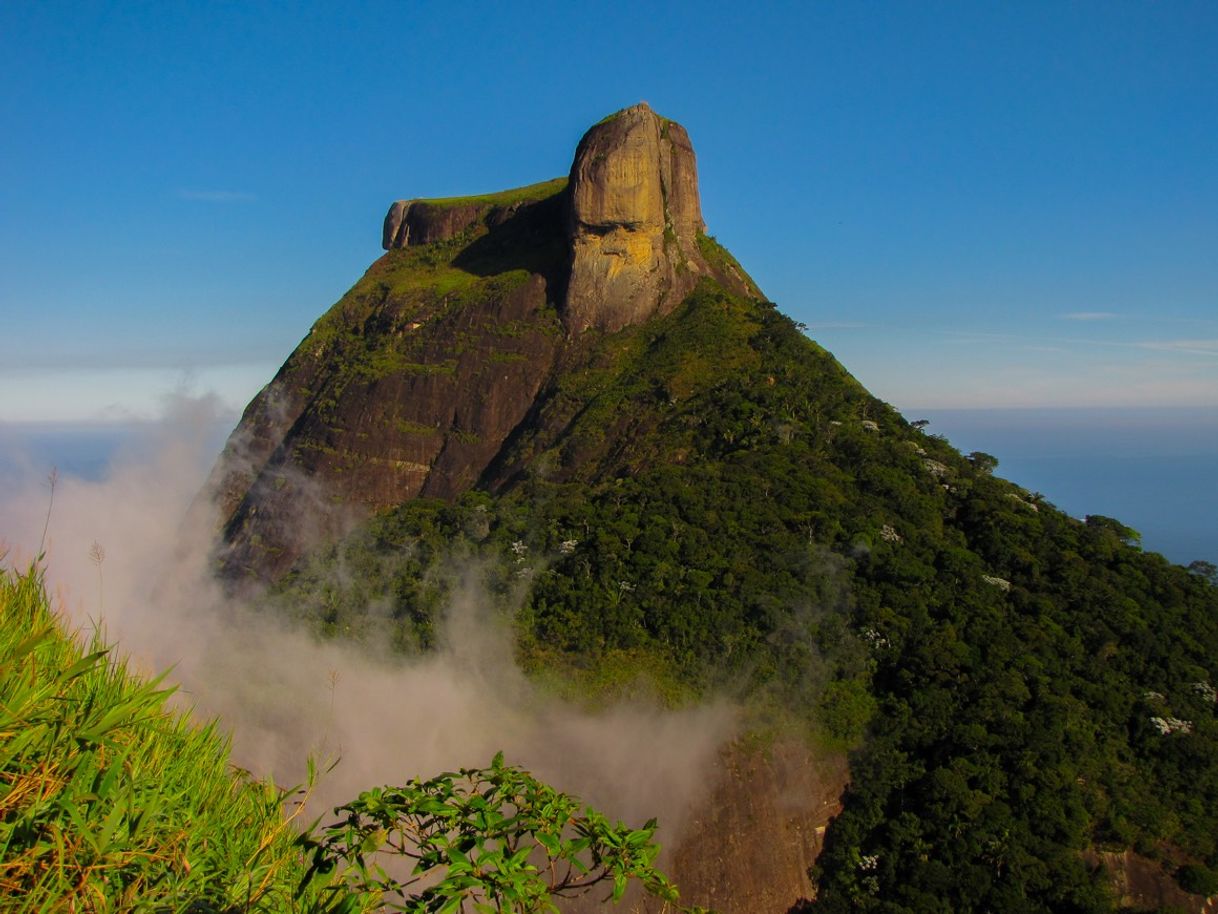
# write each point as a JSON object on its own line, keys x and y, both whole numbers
{"x": 1155, "y": 470}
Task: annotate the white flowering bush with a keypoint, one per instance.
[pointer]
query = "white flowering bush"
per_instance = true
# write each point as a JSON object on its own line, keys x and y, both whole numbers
{"x": 1000, "y": 583}
{"x": 874, "y": 639}
{"x": 935, "y": 468}
{"x": 1169, "y": 725}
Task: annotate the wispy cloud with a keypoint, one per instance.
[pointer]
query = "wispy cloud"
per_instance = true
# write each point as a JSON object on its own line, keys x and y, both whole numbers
{"x": 977, "y": 336}
{"x": 1196, "y": 347}
{"x": 216, "y": 196}
{"x": 1050, "y": 343}
{"x": 835, "y": 325}
{"x": 1087, "y": 316}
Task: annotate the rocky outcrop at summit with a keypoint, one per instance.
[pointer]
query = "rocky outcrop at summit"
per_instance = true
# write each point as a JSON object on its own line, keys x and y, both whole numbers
{"x": 632, "y": 225}
{"x": 413, "y": 383}
{"x": 411, "y": 222}
{"x": 635, "y": 217}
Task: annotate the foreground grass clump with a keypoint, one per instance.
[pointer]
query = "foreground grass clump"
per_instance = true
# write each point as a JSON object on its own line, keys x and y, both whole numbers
{"x": 110, "y": 802}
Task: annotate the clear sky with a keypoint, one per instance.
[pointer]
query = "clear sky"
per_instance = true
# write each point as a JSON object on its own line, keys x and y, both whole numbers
{"x": 970, "y": 204}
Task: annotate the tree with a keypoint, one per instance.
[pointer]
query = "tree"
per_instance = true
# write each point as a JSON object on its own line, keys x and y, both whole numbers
{"x": 1205, "y": 570}
{"x": 485, "y": 840}
{"x": 1126, "y": 535}
{"x": 986, "y": 463}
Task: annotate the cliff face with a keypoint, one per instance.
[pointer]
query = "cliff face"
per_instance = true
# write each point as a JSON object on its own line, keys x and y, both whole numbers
{"x": 634, "y": 220}
{"x": 633, "y": 217}
{"x": 752, "y": 837}
{"x": 412, "y": 383}
{"x": 750, "y": 846}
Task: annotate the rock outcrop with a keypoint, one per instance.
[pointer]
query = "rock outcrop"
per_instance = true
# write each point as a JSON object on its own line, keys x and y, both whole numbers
{"x": 411, "y": 222}
{"x": 635, "y": 217}
{"x": 406, "y": 388}
{"x": 633, "y": 221}
{"x": 749, "y": 847}
{"x": 750, "y": 838}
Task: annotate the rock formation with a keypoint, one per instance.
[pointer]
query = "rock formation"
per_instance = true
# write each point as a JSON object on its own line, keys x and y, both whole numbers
{"x": 412, "y": 383}
{"x": 575, "y": 368}
{"x": 410, "y": 222}
{"x": 634, "y": 220}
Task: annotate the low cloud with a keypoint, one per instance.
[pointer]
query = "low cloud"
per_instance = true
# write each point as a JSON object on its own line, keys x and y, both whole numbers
{"x": 285, "y": 695}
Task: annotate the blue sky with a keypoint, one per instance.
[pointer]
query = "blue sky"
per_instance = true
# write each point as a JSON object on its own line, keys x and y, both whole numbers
{"x": 970, "y": 204}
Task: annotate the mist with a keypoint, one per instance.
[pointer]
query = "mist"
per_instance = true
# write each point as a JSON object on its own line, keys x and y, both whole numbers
{"x": 120, "y": 553}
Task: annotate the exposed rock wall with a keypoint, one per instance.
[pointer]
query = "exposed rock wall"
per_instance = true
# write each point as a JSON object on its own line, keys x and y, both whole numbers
{"x": 412, "y": 222}
{"x": 752, "y": 837}
{"x": 407, "y": 388}
{"x": 749, "y": 848}
{"x": 634, "y": 220}
{"x": 1142, "y": 884}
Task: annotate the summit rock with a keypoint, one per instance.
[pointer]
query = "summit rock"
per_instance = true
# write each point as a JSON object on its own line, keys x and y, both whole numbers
{"x": 633, "y": 223}
{"x": 635, "y": 216}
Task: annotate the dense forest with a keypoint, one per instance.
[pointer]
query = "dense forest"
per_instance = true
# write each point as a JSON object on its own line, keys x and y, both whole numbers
{"x": 708, "y": 501}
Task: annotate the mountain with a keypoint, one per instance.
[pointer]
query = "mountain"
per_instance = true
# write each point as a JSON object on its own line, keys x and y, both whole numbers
{"x": 574, "y": 387}
{"x": 411, "y": 385}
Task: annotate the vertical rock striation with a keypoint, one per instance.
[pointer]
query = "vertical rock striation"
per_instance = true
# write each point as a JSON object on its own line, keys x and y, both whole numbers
{"x": 634, "y": 220}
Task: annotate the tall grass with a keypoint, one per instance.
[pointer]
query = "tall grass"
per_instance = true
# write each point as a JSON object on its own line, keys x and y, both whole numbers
{"x": 110, "y": 802}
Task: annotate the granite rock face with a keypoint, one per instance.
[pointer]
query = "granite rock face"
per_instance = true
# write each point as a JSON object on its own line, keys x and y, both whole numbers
{"x": 632, "y": 224}
{"x": 635, "y": 215}
{"x": 750, "y": 837}
{"x": 411, "y": 222}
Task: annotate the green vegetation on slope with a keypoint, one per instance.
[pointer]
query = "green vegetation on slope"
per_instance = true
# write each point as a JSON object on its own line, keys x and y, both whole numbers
{"x": 109, "y": 802}
{"x": 711, "y": 496}
{"x": 384, "y": 325}
{"x": 525, "y": 194}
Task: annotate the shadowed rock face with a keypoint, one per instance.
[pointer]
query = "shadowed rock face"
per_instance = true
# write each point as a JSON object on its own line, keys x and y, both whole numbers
{"x": 634, "y": 220}
{"x": 406, "y": 388}
{"x": 750, "y": 845}
{"x": 750, "y": 838}
{"x": 411, "y": 222}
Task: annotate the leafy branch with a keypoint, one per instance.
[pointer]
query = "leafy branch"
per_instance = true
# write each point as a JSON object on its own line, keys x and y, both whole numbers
{"x": 487, "y": 840}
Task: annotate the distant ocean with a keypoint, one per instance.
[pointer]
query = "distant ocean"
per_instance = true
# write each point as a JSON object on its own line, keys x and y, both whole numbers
{"x": 1155, "y": 470}
{"x": 85, "y": 450}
